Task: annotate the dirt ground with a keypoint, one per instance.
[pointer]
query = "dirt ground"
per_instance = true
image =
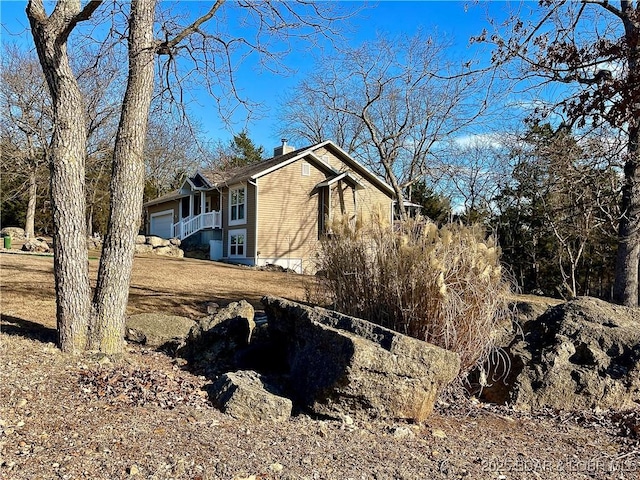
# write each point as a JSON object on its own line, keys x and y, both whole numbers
{"x": 145, "y": 417}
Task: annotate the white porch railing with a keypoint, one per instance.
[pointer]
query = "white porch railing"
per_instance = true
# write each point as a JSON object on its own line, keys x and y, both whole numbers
{"x": 190, "y": 225}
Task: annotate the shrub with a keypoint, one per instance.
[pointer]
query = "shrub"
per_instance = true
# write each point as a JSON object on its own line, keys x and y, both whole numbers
{"x": 444, "y": 286}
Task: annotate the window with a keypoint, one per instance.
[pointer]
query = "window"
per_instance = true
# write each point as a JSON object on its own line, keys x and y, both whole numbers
{"x": 237, "y": 239}
{"x": 306, "y": 169}
{"x": 237, "y": 202}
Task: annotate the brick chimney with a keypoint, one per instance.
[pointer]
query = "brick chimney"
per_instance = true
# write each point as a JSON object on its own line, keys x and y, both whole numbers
{"x": 283, "y": 149}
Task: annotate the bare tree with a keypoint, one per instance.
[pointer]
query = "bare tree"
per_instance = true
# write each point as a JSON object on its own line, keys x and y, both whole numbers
{"x": 172, "y": 149}
{"x": 99, "y": 324}
{"x": 472, "y": 171}
{"x": 593, "y": 48}
{"x": 26, "y": 124}
{"x": 389, "y": 103}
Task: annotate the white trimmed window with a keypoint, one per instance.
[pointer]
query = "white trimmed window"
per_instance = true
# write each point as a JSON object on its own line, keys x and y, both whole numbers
{"x": 306, "y": 169}
{"x": 237, "y": 205}
{"x": 237, "y": 243}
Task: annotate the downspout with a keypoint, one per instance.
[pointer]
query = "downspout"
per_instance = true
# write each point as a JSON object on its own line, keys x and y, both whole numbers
{"x": 255, "y": 235}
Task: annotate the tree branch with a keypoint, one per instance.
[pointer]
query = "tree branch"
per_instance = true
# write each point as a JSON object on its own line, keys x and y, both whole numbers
{"x": 607, "y": 6}
{"x": 165, "y": 47}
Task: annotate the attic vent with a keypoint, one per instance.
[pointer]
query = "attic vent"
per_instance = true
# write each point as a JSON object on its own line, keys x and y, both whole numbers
{"x": 306, "y": 169}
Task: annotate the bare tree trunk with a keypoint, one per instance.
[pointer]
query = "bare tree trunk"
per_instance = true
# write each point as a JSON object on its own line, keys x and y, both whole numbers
{"x": 29, "y": 223}
{"x": 127, "y": 187}
{"x": 67, "y": 161}
{"x": 625, "y": 288}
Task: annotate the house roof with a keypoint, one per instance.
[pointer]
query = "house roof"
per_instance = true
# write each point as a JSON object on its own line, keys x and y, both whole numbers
{"x": 244, "y": 173}
{"x": 217, "y": 179}
{"x": 174, "y": 195}
{"x": 257, "y": 170}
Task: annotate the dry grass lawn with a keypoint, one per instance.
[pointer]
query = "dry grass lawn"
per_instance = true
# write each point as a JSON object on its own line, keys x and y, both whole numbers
{"x": 158, "y": 284}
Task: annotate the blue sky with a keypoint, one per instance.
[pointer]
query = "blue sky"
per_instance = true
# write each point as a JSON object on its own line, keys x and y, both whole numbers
{"x": 458, "y": 21}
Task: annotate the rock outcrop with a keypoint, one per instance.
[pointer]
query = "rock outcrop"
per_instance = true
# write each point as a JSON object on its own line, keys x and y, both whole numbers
{"x": 158, "y": 246}
{"x": 157, "y": 329}
{"x": 246, "y": 395}
{"x": 216, "y": 341}
{"x": 582, "y": 354}
{"x": 16, "y": 233}
{"x": 36, "y": 245}
{"x": 340, "y": 365}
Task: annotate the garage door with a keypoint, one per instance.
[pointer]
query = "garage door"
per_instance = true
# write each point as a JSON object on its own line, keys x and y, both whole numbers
{"x": 161, "y": 224}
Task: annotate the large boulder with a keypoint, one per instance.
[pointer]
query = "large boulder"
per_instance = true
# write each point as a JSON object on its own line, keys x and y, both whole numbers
{"x": 213, "y": 344}
{"x": 340, "y": 365}
{"x": 582, "y": 354}
{"x": 143, "y": 248}
{"x": 163, "y": 251}
{"x": 157, "y": 329}
{"x": 169, "y": 251}
{"x": 16, "y": 233}
{"x": 36, "y": 245}
{"x": 156, "y": 242}
{"x": 493, "y": 381}
{"x": 245, "y": 395}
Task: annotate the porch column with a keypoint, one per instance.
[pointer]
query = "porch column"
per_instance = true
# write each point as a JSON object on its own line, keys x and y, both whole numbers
{"x": 202, "y": 202}
{"x": 191, "y": 200}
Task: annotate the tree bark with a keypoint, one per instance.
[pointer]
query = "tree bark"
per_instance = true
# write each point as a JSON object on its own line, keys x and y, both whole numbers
{"x": 127, "y": 187}
{"x": 68, "y": 150}
{"x": 625, "y": 290}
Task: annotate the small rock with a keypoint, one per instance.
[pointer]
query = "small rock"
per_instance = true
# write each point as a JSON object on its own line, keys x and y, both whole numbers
{"x": 323, "y": 430}
{"x": 276, "y": 467}
{"x": 402, "y": 432}
{"x": 104, "y": 360}
{"x": 21, "y": 403}
{"x": 133, "y": 470}
{"x": 55, "y": 465}
{"x": 437, "y": 433}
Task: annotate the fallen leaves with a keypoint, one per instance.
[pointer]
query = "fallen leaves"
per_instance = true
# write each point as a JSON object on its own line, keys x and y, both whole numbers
{"x": 134, "y": 386}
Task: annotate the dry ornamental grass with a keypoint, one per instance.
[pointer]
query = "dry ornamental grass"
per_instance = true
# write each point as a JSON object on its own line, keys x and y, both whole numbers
{"x": 444, "y": 286}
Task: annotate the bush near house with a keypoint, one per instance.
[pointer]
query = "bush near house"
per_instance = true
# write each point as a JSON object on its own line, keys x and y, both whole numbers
{"x": 444, "y": 286}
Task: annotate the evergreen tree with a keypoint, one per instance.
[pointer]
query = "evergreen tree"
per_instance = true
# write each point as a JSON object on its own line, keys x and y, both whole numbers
{"x": 243, "y": 151}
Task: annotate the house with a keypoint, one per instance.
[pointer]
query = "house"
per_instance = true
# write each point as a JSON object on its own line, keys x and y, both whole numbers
{"x": 272, "y": 212}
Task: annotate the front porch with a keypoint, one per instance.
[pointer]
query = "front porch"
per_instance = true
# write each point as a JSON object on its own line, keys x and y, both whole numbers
{"x": 199, "y": 210}
{"x": 190, "y": 225}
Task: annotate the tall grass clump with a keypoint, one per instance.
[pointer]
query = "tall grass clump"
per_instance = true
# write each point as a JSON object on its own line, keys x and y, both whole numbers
{"x": 444, "y": 286}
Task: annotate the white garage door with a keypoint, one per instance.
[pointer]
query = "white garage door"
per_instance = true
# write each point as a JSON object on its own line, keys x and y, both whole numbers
{"x": 161, "y": 224}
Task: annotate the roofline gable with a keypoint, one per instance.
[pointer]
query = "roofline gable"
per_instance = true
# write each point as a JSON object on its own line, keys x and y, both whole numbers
{"x": 308, "y": 152}
{"x": 358, "y": 166}
{"x": 205, "y": 180}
